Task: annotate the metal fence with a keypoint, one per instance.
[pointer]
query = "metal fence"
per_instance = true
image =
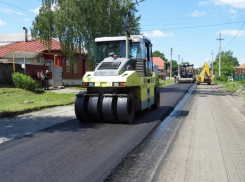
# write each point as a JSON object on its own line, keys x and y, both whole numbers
{"x": 239, "y": 76}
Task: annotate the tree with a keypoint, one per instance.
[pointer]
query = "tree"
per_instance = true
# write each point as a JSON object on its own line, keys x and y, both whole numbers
{"x": 185, "y": 62}
{"x": 159, "y": 54}
{"x": 228, "y": 63}
{"x": 76, "y": 23}
{"x": 174, "y": 67}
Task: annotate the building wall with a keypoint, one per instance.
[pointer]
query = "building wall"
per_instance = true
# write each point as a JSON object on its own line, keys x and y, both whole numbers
{"x": 68, "y": 70}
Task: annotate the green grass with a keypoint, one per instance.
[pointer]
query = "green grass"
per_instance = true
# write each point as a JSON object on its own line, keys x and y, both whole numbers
{"x": 12, "y": 100}
{"x": 231, "y": 85}
{"x": 163, "y": 83}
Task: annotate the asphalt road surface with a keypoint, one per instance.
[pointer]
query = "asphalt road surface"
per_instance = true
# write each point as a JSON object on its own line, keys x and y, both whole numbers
{"x": 202, "y": 140}
{"x": 82, "y": 152}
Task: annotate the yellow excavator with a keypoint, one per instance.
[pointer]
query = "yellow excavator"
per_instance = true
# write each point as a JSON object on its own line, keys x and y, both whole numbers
{"x": 204, "y": 76}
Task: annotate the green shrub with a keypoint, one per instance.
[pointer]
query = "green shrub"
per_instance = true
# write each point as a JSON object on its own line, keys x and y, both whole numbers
{"x": 24, "y": 82}
{"x": 221, "y": 78}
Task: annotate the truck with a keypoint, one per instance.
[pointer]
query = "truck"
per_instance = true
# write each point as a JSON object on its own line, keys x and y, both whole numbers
{"x": 204, "y": 76}
{"x": 187, "y": 73}
{"x": 122, "y": 83}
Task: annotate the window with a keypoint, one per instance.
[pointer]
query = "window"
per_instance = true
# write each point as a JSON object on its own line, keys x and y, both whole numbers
{"x": 104, "y": 48}
{"x": 68, "y": 66}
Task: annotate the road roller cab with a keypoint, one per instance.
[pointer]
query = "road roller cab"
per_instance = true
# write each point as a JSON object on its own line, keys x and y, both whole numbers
{"x": 122, "y": 82}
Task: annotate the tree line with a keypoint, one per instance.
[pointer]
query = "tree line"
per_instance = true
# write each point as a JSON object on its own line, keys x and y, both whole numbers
{"x": 228, "y": 63}
{"x": 76, "y": 23}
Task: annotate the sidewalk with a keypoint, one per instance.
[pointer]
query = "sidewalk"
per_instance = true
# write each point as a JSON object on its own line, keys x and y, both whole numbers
{"x": 25, "y": 124}
{"x": 62, "y": 90}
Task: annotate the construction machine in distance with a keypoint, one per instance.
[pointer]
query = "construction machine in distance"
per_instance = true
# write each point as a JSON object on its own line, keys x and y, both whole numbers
{"x": 204, "y": 76}
{"x": 187, "y": 73}
{"x": 122, "y": 82}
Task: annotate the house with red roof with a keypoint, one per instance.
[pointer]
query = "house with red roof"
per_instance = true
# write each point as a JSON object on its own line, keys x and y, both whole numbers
{"x": 34, "y": 57}
{"x": 162, "y": 66}
{"x": 240, "y": 69}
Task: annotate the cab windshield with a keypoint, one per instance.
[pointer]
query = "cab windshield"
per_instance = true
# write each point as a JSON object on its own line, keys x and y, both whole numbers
{"x": 118, "y": 47}
{"x": 104, "y": 48}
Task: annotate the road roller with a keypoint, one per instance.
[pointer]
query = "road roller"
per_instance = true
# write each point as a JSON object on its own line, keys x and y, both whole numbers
{"x": 122, "y": 83}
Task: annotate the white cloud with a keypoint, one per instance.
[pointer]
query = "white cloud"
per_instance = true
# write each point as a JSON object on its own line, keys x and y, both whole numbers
{"x": 2, "y": 22}
{"x": 36, "y": 11}
{"x": 242, "y": 62}
{"x": 232, "y": 12}
{"x": 232, "y": 33}
{"x": 197, "y": 13}
{"x": 233, "y": 3}
{"x": 157, "y": 33}
{"x": 203, "y": 3}
{"x": 9, "y": 11}
{"x": 27, "y": 19}
{"x": 55, "y": 7}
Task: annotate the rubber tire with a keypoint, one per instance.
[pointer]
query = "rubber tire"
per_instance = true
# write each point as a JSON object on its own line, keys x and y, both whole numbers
{"x": 126, "y": 108}
{"x": 81, "y": 109}
{"x": 109, "y": 111}
{"x": 157, "y": 99}
{"x": 94, "y": 109}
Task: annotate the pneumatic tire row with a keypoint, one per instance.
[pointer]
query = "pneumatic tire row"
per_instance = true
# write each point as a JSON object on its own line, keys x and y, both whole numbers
{"x": 105, "y": 109}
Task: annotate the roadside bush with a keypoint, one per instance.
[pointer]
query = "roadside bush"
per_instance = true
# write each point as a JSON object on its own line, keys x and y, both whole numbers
{"x": 24, "y": 82}
{"x": 221, "y": 78}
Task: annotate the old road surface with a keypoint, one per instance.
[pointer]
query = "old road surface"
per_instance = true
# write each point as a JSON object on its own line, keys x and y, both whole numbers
{"x": 203, "y": 139}
{"x": 73, "y": 151}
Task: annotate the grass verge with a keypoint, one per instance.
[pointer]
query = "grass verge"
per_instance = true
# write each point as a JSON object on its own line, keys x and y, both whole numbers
{"x": 17, "y": 101}
{"x": 231, "y": 85}
{"x": 163, "y": 83}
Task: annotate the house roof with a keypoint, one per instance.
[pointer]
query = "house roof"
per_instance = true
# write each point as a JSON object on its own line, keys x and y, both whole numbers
{"x": 12, "y": 38}
{"x": 5, "y": 61}
{"x": 242, "y": 66}
{"x": 159, "y": 61}
{"x": 30, "y": 46}
{"x": 27, "y": 55}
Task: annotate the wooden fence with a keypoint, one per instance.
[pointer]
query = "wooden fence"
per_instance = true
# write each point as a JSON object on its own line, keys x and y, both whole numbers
{"x": 6, "y": 70}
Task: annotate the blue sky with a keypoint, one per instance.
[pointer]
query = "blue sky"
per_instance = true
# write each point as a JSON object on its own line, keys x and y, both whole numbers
{"x": 190, "y": 27}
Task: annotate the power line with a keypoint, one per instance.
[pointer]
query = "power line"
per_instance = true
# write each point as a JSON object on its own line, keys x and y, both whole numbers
{"x": 235, "y": 36}
{"x": 233, "y": 13}
{"x": 169, "y": 18}
{"x": 17, "y": 7}
{"x": 175, "y": 23}
{"x": 197, "y": 26}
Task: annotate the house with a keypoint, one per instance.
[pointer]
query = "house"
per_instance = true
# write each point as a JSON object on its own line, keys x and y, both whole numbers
{"x": 240, "y": 69}
{"x": 34, "y": 57}
{"x": 162, "y": 66}
{"x": 239, "y": 73}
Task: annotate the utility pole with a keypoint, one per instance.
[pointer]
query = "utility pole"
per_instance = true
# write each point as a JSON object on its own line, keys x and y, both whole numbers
{"x": 212, "y": 63}
{"x": 178, "y": 65}
{"x": 171, "y": 64}
{"x": 220, "y": 53}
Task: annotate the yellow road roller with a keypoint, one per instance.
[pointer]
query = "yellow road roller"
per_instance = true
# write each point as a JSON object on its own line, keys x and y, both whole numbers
{"x": 122, "y": 83}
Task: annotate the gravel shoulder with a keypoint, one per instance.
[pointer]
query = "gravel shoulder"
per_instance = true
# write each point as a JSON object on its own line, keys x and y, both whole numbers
{"x": 201, "y": 140}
